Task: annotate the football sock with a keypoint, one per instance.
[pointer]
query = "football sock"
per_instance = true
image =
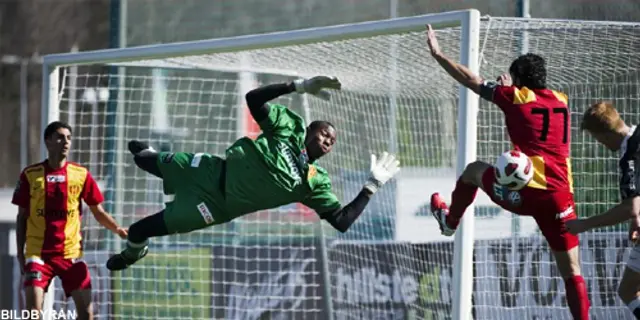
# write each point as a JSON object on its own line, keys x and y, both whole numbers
{"x": 461, "y": 197}
{"x": 145, "y": 157}
{"x": 634, "y": 306}
{"x": 147, "y": 227}
{"x": 148, "y": 161}
{"x": 135, "y": 251}
{"x": 577, "y": 297}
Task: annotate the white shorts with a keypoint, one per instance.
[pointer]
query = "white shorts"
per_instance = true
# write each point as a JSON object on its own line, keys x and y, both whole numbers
{"x": 634, "y": 259}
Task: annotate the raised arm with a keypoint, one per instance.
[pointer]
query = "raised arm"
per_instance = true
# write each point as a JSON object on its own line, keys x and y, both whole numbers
{"x": 257, "y": 98}
{"x": 457, "y": 71}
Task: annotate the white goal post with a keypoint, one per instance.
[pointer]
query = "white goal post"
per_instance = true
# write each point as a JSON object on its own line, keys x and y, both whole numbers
{"x": 161, "y": 55}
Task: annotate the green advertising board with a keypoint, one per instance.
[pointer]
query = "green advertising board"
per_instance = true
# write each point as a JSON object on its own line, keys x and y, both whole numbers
{"x": 165, "y": 285}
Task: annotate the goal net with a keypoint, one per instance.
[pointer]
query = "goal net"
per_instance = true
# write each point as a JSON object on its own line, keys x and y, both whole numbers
{"x": 393, "y": 263}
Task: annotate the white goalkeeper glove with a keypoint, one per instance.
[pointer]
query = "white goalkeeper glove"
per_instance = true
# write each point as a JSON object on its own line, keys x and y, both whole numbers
{"x": 382, "y": 170}
{"x": 317, "y": 85}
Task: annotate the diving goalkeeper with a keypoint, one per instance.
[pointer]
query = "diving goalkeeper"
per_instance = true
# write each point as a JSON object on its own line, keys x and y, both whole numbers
{"x": 276, "y": 169}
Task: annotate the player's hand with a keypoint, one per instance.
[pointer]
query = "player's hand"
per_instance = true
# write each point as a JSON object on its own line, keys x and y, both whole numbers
{"x": 634, "y": 229}
{"x": 122, "y": 232}
{"x": 432, "y": 41}
{"x": 505, "y": 80}
{"x": 576, "y": 226}
{"x": 317, "y": 85}
{"x": 381, "y": 171}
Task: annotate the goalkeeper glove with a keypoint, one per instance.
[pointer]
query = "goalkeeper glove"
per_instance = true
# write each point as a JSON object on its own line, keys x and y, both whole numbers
{"x": 317, "y": 85}
{"x": 381, "y": 171}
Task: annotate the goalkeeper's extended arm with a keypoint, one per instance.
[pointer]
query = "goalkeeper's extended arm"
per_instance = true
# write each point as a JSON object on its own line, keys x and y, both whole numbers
{"x": 257, "y": 98}
{"x": 381, "y": 171}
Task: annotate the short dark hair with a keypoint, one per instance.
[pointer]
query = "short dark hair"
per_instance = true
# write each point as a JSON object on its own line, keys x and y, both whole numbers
{"x": 530, "y": 70}
{"x": 53, "y": 127}
{"x": 315, "y": 125}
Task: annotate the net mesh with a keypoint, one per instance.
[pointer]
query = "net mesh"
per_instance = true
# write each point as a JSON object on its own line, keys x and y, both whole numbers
{"x": 278, "y": 264}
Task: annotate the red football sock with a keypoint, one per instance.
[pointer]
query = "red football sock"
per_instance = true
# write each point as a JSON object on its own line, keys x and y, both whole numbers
{"x": 577, "y": 297}
{"x": 461, "y": 197}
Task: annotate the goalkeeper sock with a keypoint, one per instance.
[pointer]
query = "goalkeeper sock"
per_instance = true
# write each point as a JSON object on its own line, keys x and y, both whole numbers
{"x": 577, "y": 297}
{"x": 634, "y": 306}
{"x": 461, "y": 197}
{"x": 135, "y": 251}
{"x": 147, "y": 227}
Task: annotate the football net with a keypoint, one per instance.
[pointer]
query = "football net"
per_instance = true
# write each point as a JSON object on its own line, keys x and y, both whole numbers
{"x": 283, "y": 263}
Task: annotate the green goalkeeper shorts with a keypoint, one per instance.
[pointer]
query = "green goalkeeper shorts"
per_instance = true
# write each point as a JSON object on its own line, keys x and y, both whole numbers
{"x": 195, "y": 180}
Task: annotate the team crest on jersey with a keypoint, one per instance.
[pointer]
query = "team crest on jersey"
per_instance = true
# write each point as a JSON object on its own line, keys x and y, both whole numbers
{"x": 514, "y": 198}
{"x": 503, "y": 193}
{"x": 74, "y": 190}
{"x": 312, "y": 172}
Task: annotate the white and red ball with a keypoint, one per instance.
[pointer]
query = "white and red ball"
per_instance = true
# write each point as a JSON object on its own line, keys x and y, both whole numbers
{"x": 514, "y": 170}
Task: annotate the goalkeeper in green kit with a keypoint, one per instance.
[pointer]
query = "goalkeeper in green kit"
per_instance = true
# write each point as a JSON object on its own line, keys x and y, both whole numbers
{"x": 276, "y": 169}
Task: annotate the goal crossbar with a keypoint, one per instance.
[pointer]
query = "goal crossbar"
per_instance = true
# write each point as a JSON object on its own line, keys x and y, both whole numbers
{"x": 259, "y": 41}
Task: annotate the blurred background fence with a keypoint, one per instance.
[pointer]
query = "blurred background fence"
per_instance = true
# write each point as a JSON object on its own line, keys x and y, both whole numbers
{"x": 31, "y": 28}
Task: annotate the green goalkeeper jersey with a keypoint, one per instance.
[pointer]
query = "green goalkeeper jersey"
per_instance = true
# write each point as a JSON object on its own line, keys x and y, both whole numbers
{"x": 274, "y": 169}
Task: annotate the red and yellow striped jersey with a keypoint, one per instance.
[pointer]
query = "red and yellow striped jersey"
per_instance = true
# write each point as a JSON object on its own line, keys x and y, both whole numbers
{"x": 539, "y": 124}
{"x": 52, "y": 200}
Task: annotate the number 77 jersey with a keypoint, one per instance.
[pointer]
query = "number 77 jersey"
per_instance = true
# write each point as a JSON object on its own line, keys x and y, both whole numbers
{"x": 539, "y": 123}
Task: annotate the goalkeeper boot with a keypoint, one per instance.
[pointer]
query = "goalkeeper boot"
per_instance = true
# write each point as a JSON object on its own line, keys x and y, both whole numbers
{"x": 135, "y": 147}
{"x": 439, "y": 210}
{"x": 128, "y": 256}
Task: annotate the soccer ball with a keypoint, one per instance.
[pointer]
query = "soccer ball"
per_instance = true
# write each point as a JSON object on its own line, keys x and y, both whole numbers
{"x": 513, "y": 170}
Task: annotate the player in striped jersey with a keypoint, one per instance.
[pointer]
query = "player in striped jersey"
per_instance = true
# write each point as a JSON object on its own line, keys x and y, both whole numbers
{"x": 603, "y": 122}
{"x": 538, "y": 122}
{"x": 49, "y": 195}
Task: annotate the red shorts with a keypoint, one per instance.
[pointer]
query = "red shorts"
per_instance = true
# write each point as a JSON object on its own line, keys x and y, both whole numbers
{"x": 550, "y": 209}
{"x": 73, "y": 273}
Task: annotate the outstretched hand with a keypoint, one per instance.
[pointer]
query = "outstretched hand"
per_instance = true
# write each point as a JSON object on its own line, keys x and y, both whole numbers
{"x": 316, "y": 86}
{"x": 505, "y": 80}
{"x": 432, "y": 41}
{"x": 381, "y": 170}
{"x": 122, "y": 232}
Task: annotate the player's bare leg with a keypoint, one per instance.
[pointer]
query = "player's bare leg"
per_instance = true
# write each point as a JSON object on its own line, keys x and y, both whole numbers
{"x": 84, "y": 305}
{"x": 138, "y": 240}
{"x": 462, "y": 196}
{"x": 629, "y": 288}
{"x": 34, "y": 298}
{"x": 568, "y": 263}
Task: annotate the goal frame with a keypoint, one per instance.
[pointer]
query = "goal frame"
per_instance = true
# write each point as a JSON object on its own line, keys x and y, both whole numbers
{"x": 467, "y": 20}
